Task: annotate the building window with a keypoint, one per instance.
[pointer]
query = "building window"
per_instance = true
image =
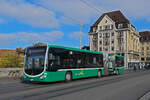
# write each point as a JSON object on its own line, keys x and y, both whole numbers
{"x": 120, "y": 34}
{"x": 106, "y": 35}
{"x": 100, "y": 42}
{"x": 95, "y": 36}
{"x": 147, "y": 48}
{"x": 112, "y": 34}
{"x": 106, "y": 42}
{"x": 100, "y": 27}
{"x": 142, "y": 48}
{"x": 112, "y": 41}
{"x": 120, "y": 40}
{"x": 148, "y": 58}
{"x": 100, "y": 35}
{"x": 148, "y": 53}
{"x": 131, "y": 37}
{"x": 142, "y": 53}
{"x": 106, "y": 49}
{"x": 120, "y": 26}
{"x": 112, "y": 48}
{"x": 121, "y": 49}
{"x": 100, "y": 48}
{"x": 107, "y": 27}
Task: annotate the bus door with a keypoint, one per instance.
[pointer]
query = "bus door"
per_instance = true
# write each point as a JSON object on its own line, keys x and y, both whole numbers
{"x": 111, "y": 63}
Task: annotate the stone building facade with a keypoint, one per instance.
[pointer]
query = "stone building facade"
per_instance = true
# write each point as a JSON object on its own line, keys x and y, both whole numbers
{"x": 113, "y": 33}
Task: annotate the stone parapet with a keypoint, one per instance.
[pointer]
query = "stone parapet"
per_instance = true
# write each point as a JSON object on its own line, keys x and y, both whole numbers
{"x": 5, "y": 72}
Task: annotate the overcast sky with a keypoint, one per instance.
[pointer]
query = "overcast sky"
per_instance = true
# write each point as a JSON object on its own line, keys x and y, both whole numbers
{"x": 24, "y": 22}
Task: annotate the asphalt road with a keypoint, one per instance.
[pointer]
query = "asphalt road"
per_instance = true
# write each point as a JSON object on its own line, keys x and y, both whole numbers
{"x": 129, "y": 86}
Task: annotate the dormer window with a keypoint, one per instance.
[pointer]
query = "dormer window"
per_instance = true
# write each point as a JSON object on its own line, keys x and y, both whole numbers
{"x": 112, "y": 34}
{"x": 120, "y": 26}
{"x": 94, "y": 29}
{"x": 105, "y": 21}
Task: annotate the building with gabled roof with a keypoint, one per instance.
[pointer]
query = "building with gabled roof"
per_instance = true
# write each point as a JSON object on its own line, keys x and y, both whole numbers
{"x": 112, "y": 32}
{"x": 115, "y": 16}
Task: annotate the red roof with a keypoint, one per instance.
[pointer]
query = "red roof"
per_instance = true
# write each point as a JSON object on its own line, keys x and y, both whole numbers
{"x": 144, "y": 33}
{"x": 6, "y": 50}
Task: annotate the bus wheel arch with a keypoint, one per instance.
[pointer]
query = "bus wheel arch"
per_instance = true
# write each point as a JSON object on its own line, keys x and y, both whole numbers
{"x": 68, "y": 76}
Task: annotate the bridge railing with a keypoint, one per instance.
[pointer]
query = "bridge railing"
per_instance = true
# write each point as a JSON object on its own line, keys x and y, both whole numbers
{"x": 11, "y": 72}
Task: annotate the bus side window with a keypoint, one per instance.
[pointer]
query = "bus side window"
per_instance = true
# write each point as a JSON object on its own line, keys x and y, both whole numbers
{"x": 98, "y": 61}
{"x": 89, "y": 61}
{"x": 79, "y": 61}
{"x": 94, "y": 60}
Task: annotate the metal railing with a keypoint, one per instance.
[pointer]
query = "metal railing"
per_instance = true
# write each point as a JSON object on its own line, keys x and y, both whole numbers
{"x": 15, "y": 74}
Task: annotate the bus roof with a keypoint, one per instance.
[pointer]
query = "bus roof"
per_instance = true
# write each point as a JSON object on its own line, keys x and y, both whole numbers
{"x": 75, "y": 49}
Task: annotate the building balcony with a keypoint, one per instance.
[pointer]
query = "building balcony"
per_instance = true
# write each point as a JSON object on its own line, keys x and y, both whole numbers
{"x": 120, "y": 36}
{"x": 134, "y": 52}
{"x": 120, "y": 51}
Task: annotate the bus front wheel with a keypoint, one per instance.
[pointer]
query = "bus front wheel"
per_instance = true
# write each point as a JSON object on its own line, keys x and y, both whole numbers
{"x": 68, "y": 77}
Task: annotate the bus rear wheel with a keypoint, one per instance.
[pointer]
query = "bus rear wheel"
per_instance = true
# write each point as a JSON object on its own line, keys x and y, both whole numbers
{"x": 99, "y": 74}
{"x": 68, "y": 77}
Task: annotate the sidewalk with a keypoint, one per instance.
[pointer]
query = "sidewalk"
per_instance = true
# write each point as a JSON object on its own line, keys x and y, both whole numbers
{"x": 146, "y": 96}
{"x": 131, "y": 70}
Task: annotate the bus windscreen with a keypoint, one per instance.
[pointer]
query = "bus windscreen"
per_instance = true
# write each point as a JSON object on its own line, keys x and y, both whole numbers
{"x": 34, "y": 61}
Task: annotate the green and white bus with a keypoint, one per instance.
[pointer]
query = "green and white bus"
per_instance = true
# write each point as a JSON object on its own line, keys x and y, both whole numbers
{"x": 53, "y": 63}
{"x": 115, "y": 64}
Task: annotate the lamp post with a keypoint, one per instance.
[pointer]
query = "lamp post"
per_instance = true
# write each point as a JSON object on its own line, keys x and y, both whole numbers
{"x": 81, "y": 25}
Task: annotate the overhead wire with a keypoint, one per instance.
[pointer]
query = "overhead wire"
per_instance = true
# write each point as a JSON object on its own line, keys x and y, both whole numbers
{"x": 89, "y": 5}
{"x": 83, "y": 1}
{"x": 40, "y": 5}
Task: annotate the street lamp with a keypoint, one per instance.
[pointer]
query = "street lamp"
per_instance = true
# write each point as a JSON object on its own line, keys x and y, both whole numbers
{"x": 81, "y": 25}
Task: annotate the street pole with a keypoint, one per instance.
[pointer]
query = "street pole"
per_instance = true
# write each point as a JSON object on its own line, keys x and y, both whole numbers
{"x": 80, "y": 36}
{"x": 127, "y": 50}
{"x": 81, "y": 25}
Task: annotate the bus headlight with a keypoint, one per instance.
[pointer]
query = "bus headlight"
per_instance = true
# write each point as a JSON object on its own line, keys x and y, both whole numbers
{"x": 43, "y": 76}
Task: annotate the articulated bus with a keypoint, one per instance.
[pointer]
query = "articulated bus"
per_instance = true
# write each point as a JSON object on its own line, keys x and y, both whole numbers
{"x": 53, "y": 63}
{"x": 115, "y": 64}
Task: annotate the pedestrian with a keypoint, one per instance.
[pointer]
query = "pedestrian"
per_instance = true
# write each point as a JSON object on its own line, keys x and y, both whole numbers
{"x": 143, "y": 66}
{"x": 140, "y": 65}
{"x": 134, "y": 68}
